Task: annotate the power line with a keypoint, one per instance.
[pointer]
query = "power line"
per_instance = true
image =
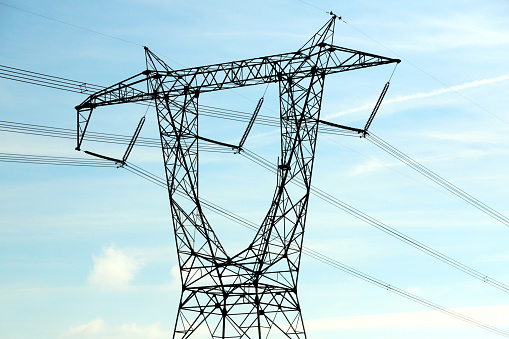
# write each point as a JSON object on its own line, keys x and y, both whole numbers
{"x": 70, "y": 134}
{"x": 385, "y": 228}
{"x": 329, "y": 261}
{"x": 66, "y": 133}
{"x": 67, "y": 84}
{"x": 52, "y": 160}
{"x": 40, "y": 79}
{"x": 69, "y": 161}
{"x": 243, "y": 116}
{"x": 112, "y": 138}
{"x": 385, "y": 165}
{"x": 149, "y": 142}
{"x": 43, "y": 84}
{"x": 257, "y": 159}
{"x": 436, "y": 178}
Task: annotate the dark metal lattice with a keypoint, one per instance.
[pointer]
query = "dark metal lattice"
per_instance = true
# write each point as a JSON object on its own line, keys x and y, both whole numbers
{"x": 251, "y": 294}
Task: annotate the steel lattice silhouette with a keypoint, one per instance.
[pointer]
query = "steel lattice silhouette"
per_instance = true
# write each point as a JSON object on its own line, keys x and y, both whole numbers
{"x": 251, "y": 294}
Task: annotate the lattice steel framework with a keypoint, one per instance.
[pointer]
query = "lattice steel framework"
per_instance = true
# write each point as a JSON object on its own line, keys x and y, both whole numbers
{"x": 251, "y": 294}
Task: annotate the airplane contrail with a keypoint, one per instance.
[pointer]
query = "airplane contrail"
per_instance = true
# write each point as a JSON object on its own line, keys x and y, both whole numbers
{"x": 420, "y": 95}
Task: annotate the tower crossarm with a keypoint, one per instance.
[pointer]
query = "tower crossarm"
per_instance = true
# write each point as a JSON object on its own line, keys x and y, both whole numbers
{"x": 133, "y": 89}
{"x": 267, "y": 69}
{"x": 229, "y": 75}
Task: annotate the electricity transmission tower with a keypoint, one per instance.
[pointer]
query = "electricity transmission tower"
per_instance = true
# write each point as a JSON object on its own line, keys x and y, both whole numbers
{"x": 251, "y": 294}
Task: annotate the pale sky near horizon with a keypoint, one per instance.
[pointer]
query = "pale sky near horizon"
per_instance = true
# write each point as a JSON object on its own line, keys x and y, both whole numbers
{"x": 89, "y": 252}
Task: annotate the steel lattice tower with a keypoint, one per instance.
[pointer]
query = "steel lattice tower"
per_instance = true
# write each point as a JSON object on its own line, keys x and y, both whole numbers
{"x": 251, "y": 294}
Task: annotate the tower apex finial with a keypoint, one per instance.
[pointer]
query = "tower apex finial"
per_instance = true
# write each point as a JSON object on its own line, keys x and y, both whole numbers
{"x": 334, "y": 15}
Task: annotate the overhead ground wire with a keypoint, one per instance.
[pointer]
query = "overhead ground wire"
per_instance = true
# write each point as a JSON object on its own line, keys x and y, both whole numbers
{"x": 82, "y": 28}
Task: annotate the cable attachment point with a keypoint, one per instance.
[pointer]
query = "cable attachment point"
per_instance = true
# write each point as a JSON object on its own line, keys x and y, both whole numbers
{"x": 334, "y": 15}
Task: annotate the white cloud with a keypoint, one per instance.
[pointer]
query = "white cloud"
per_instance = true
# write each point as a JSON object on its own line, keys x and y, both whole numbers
{"x": 175, "y": 272}
{"x": 371, "y": 165}
{"x": 98, "y": 329}
{"x": 175, "y": 277}
{"x": 90, "y": 328}
{"x": 114, "y": 268}
{"x": 494, "y": 315}
{"x": 153, "y": 331}
{"x": 421, "y": 95}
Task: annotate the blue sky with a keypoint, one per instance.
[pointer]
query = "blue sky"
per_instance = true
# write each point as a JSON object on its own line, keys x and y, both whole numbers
{"x": 89, "y": 252}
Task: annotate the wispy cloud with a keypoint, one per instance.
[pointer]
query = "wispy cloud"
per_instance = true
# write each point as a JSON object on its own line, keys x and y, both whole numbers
{"x": 371, "y": 165}
{"x": 502, "y": 258}
{"x": 471, "y": 136}
{"x": 450, "y": 29}
{"x": 421, "y": 95}
{"x": 468, "y": 30}
{"x": 85, "y": 330}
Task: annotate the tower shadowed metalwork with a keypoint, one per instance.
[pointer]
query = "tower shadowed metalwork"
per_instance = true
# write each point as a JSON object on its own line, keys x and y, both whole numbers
{"x": 253, "y": 293}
